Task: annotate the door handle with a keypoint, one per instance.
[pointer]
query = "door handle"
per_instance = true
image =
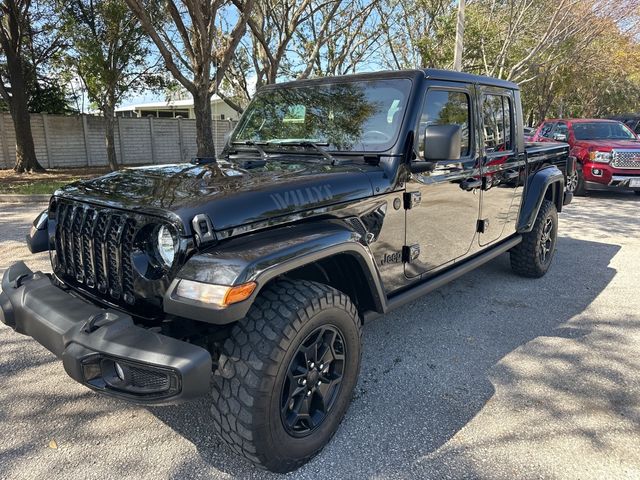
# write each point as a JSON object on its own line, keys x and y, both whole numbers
{"x": 511, "y": 174}
{"x": 470, "y": 183}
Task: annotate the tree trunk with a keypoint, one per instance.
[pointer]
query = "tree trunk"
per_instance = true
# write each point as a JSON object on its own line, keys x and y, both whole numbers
{"x": 109, "y": 136}
{"x": 26, "y": 160}
{"x": 204, "y": 130}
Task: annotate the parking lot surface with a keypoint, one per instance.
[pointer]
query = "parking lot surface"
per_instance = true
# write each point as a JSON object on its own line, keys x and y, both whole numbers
{"x": 492, "y": 376}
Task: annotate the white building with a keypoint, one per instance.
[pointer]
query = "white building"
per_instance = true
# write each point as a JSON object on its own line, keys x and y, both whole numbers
{"x": 177, "y": 108}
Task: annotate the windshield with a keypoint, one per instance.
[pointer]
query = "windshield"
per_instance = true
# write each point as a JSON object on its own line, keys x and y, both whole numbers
{"x": 350, "y": 116}
{"x": 602, "y": 130}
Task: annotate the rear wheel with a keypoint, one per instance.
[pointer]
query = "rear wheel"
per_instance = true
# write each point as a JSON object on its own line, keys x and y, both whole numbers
{"x": 286, "y": 374}
{"x": 533, "y": 256}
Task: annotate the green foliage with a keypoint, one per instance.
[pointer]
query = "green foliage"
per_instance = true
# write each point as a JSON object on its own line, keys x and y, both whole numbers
{"x": 570, "y": 57}
{"x": 109, "y": 50}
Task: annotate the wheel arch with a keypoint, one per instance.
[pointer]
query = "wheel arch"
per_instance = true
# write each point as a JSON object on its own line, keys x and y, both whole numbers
{"x": 546, "y": 184}
{"x": 326, "y": 251}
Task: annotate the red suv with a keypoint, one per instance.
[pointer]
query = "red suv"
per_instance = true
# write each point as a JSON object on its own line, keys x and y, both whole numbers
{"x": 608, "y": 152}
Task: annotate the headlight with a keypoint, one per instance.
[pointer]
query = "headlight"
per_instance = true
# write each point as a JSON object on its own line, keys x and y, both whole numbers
{"x": 218, "y": 295}
{"x": 167, "y": 245}
{"x": 602, "y": 157}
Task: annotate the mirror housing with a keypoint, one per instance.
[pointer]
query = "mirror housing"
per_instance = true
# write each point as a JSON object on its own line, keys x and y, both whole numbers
{"x": 38, "y": 236}
{"x": 442, "y": 142}
{"x": 560, "y": 137}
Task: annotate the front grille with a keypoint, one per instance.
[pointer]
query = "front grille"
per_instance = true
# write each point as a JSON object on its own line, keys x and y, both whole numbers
{"x": 626, "y": 159}
{"x": 93, "y": 249}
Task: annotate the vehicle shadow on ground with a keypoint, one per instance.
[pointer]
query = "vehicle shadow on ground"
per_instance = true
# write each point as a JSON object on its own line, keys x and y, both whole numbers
{"x": 428, "y": 368}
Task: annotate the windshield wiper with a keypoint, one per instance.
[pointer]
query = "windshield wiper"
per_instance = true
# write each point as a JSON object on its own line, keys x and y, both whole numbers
{"x": 250, "y": 143}
{"x": 307, "y": 144}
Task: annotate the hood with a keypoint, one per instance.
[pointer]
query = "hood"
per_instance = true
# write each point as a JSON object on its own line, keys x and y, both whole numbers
{"x": 607, "y": 145}
{"x": 230, "y": 195}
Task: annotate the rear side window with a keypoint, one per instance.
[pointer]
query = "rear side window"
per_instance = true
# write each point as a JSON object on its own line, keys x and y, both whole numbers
{"x": 445, "y": 107}
{"x": 496, "y": 116}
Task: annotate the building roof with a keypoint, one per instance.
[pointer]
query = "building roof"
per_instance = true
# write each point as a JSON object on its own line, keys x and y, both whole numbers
{"x": 164, "y": 104}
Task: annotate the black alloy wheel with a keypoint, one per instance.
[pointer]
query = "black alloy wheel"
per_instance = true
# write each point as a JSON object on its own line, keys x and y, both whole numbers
{"x": 313, "y": 381}
{"x": 547, "y": 241}
{"x": 286, "y": 373}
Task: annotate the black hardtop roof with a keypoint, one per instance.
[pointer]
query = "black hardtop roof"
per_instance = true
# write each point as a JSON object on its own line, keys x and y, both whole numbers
{"x": 431, "y": 73}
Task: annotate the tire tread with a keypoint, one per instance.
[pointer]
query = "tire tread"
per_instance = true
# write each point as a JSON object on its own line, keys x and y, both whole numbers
{"x": 257, "y": 346}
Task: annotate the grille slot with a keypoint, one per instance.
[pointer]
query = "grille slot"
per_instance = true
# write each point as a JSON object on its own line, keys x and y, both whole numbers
{"x": 147, "y": 379}
{"x": 629, "y": 159}
{"x": 93, "y": 249}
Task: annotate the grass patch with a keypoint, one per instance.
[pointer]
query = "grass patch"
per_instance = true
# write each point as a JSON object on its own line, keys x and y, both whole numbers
{"x": 38, "y": 187}
{"x": 46, "y": 183}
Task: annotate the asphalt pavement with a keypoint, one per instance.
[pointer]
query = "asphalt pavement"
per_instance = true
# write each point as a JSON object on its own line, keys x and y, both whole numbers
{"x": 492, "y": 376}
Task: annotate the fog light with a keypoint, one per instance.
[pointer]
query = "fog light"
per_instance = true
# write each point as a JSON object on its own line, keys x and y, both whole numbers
{"x": 119, "y": 371}
{"x": 597, "y": 172}
{"x": 127, "y": 377}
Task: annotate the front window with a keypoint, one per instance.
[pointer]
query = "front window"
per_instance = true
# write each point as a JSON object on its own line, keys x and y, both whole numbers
{"x": 602, "y": 131}
{"x": 444, "y": 107}
{"x": 349, "y": 116}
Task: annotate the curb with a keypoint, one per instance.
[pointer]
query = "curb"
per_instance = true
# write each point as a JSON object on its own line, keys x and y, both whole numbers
{"x": 24, "y": 198}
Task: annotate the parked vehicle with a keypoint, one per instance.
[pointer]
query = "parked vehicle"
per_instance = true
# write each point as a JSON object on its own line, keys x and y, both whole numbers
{"x": 529, "y": 132}
{"x": 631, "y": 120}
{"x": 336, "y": 200}
{"x": 607, "y": 151}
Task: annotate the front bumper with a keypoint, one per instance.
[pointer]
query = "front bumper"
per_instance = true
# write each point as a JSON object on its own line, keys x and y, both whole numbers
{"x": 605, "y": 175}
{"x": 102, "y": 348}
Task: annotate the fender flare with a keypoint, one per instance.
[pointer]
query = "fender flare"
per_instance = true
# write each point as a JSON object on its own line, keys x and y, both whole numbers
{"x": 537, "y": 186}
{"x": 263, "y": 256}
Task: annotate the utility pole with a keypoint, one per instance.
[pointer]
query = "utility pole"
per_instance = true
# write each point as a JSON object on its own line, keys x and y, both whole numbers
{"x": 457, "y": 53}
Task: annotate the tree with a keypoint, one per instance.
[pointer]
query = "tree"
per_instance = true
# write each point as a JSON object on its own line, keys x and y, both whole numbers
{"x": 110, "y": 53}
{"x": 197, "y": 45}
{"x": 20, "y": 25}
{"x": 290, "y": 39}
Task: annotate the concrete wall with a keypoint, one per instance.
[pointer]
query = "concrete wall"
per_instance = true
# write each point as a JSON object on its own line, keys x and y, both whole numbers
{"x": 77, "y": 141}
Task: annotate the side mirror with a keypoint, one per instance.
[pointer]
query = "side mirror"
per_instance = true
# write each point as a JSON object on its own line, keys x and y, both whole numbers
{"x": 560, "y": 137}
{"x": 38, "y": 237}
{"x": 442, "y": 142}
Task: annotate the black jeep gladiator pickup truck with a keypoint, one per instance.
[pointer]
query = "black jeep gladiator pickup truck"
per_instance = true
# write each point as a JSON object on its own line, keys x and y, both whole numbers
{"x": 247, "y": 277}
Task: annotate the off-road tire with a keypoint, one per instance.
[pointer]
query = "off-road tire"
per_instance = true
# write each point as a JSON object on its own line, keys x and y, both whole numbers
{"x": 253, "y": 364}
{"x": 526, "y": 256}
{"x": 581, "y": 189}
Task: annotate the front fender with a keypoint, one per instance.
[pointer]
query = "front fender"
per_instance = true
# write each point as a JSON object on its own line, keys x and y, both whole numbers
{"x": 263, "y": 256}
{"x": 537, "y": 186}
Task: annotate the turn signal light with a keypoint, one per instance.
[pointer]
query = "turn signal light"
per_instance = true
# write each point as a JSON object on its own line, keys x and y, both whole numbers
{"x": 239, "y": 293}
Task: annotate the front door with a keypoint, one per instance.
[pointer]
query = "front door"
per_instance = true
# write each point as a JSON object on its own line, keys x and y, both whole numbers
{"x": 444, "y": 203}
{"x": 503, "y": 166}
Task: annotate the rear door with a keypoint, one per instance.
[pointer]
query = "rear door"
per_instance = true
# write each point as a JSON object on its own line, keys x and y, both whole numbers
{"x": 502, "y": 165}
{"x": 444, "y": 204}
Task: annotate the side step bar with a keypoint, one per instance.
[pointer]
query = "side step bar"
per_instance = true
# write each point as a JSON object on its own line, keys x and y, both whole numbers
{"x": 438, "y": 281}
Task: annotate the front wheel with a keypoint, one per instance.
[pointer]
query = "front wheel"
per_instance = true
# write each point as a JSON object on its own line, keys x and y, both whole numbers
{"x": 572, "y": 182}
{"x": 533, "y": 256}
{"x": 286, "y": 374}
{"x": 579, "y": 186}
